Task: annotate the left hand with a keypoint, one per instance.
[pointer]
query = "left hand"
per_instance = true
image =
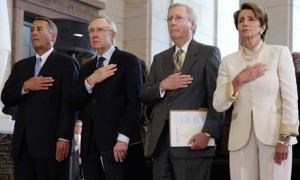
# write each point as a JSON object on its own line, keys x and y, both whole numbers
{"x": 62, "y": 149}
{"x": 120, "y": 151}
{"x": 281, "y": 153}
{"x": 198, "y": 141}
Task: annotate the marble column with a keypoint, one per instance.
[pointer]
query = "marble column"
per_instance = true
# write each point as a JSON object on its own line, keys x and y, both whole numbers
{"x": 5, "y": 48}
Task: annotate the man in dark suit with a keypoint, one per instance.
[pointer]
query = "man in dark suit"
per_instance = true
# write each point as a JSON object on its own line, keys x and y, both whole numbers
{"x": 107, "y": 96}
{"x": 187, "y": 85}
{"x": 77, "y": 173}
{"x": 41, "y": 86}
{"x": 296, "y": 59}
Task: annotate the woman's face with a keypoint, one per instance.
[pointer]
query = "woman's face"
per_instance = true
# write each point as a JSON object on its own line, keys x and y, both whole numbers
{"x": 249, "y": 25}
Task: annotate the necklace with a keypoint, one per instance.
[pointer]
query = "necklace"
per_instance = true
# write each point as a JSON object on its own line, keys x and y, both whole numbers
{"x": 247, "y": 58}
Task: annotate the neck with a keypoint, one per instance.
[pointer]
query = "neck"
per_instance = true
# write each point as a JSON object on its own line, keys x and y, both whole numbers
{"x": 250, "y": 43}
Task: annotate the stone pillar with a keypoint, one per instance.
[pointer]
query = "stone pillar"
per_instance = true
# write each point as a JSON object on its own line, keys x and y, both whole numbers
{"x": 5, "y": 48}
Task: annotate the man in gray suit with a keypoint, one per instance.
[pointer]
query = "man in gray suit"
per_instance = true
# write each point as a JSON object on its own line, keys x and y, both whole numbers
{"x": 182, "y": 82}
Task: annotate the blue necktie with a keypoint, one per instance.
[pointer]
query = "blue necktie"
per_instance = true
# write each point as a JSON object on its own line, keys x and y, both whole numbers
{"x": 100, "y": 62}
{"x": 38, "y": 66}
{"x": 178, "y": 61}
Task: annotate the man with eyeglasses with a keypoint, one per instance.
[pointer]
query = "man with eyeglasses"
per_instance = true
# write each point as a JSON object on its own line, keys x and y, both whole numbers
{"x": 106, "y": 96}
{"x": 182, "y": 77}
{"x": 296, "y": 59}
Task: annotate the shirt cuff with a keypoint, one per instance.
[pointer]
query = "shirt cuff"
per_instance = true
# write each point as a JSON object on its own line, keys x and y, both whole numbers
{"x": 62, "y": 139}
{"x": 230, "y": 92}
{"x": 122, "y": 137}
{"x": 23, "y": 92}
{"x": 88, "y": 87}
{"x": 162, "y": 94}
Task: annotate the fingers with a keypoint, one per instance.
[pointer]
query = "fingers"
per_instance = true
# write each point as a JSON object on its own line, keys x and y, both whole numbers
{"x": 38, "y": 83}
{"x": 62, "y": 150}
{"x": 253, "y": 72}
{"x": 105, "y": 72}
{"x": 120, "y": 151}
{"x": 176, "y": 81}
{"x": 281, "y": 153}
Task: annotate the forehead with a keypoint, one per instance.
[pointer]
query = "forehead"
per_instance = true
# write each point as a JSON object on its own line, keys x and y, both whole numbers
{"x": 42, "y": 23}
{"x": 178, "y": 10}
{"x": 78, "y": 123}
{"x": 296, "y": 56}
{"x": 99, "y": 22}
{"x": 246, "y": 12}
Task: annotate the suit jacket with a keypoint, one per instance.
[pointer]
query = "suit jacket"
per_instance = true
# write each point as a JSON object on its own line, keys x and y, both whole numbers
{"x": 201, "y": 62}
{"x": 42, "y": 116}
{"x": 113, "y": 106}
{"x": 270, "y": 99}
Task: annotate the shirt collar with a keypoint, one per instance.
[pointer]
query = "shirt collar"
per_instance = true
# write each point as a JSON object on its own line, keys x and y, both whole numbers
{"x": 45, "y": 55}
{"x": 107, "y": 55}
{"x": 184, "y": 47}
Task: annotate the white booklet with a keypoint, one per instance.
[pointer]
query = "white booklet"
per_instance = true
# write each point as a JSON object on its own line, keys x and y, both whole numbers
{"x": 184, "y": 124}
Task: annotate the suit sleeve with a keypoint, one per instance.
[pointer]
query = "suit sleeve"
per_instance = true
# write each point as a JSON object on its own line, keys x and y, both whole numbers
{"x": 11, "y": 93}
{"x": 150, "y": 94}
{"x": 214, "y": 120}
{"x": 132, "y": 85}
{"x": 67, "y": 114}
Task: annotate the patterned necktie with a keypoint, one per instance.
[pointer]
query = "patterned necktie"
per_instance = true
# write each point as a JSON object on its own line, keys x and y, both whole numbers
{"x": 178, "y": 61}
{"x": 100, "y": 62}
{"x": 38, "y": 66}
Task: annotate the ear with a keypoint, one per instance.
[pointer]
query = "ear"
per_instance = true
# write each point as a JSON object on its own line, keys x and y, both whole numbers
{"x": 263, "y": 28}
{"x": 193, "y": 26}
{"x": 53, "y": 36}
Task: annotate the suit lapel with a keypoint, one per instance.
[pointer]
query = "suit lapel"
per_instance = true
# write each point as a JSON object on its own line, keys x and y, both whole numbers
{"x": 31, "y": 65}
{"x": 190, "y": 58}
{"x": 115, "y": 56}
{"x": 49, "y": 64}
{"x": 168, "y": 61}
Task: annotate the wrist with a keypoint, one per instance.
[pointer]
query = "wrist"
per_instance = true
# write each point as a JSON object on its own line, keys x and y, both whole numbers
{"x": 89, "y": 81}
{"x": 285, "y": 137}
{"x": 283, "y": 143}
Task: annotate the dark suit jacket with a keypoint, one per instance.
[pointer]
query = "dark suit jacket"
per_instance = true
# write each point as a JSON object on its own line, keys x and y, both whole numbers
{"x": 113, "y": 107}
{"x": 201, "y": 62}
{"x": 42, "y": 116}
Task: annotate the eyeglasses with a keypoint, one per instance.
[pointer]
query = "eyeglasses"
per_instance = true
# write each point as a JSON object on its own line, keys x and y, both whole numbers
{"x": 176, "y": 18}
{"x": 97, "y": 30}
{"x": 296, "y": 61}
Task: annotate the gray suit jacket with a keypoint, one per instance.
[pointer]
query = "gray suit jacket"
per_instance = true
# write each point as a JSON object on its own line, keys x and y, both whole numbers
{"x": 201, "y": 62}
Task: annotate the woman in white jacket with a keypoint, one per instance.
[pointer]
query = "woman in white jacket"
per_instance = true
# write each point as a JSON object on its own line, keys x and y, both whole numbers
{"x": 259, "y": 81}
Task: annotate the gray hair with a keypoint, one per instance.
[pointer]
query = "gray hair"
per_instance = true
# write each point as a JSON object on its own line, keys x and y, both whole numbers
{"x": 192, "y": 17}
{"x": 111, "y": 24}
{"x": 51, "y": 26}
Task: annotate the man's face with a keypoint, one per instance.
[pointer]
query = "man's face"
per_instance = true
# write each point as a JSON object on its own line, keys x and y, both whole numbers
{"x": 180, "y": 27}
{"x": 101, "y": 37}
{"x": 78, "y": 127}
{"x": 296, "y": 59}
{"x": 41, "y": 37}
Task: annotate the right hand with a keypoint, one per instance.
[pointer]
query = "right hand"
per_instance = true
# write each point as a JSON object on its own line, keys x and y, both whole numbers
{"x": 38, "y": 83}
{"x": 176, "y": 81}
{"x": 250, "y": 73}
{"x": 102, "y": 73}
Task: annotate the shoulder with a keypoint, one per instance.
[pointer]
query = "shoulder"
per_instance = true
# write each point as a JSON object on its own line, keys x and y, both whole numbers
{"x": 202, "y": 47}
{"x": 24, "y": 62}
{"x": 63, "y": 57}
{"x": 165, "y": 53}
{"x": 125, "y": 54}
{"x": 276, "y": 48}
